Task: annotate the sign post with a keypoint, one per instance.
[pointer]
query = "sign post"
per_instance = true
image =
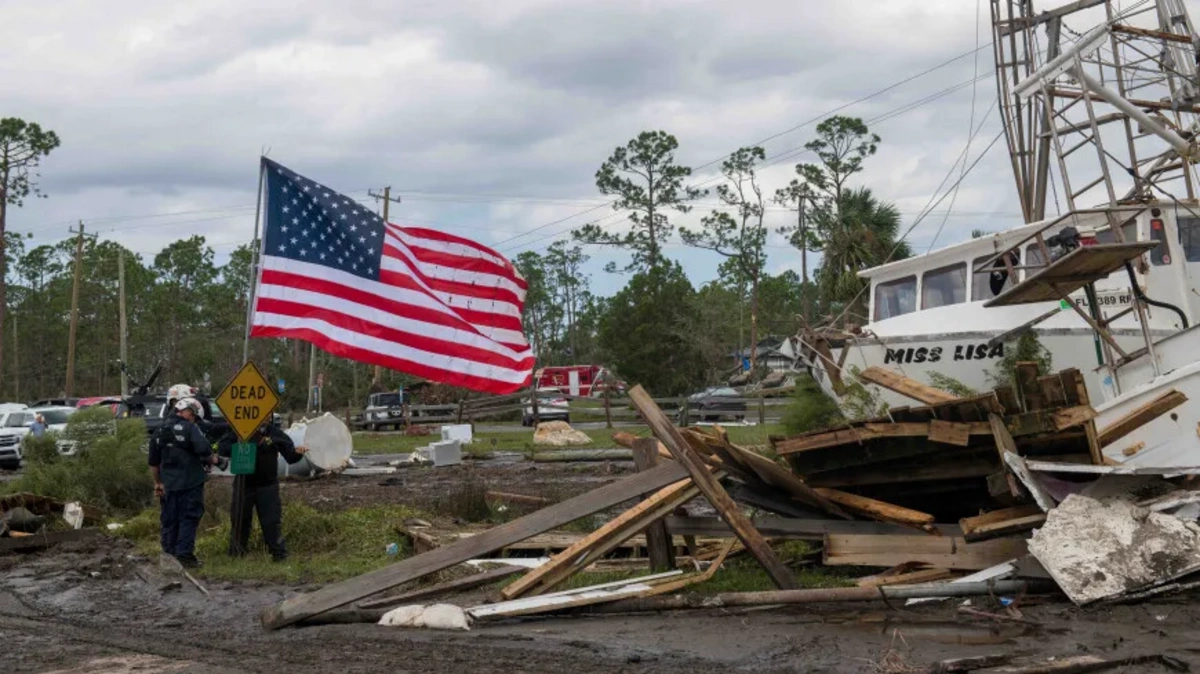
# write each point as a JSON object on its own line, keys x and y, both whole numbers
{"x": 247, "y": 402}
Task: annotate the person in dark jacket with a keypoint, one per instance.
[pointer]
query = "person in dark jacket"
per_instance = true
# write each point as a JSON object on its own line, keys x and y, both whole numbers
{"x": 180, "y": 458}
{"x": 261, "y": 490}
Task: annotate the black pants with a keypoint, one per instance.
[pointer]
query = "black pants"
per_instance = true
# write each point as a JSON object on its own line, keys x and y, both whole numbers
{"x": 265, "y": 500}
{"x": 180, "y": 516}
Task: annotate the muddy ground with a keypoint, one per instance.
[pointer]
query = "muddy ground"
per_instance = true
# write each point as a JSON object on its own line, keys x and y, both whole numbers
{"x": 82, "y": 608}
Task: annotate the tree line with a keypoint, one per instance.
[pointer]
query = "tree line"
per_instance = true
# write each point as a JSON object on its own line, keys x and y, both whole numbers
{"x": 188, "y": 313}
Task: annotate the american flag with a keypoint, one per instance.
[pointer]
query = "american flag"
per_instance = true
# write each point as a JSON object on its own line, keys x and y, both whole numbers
{"x": 410, "y": 299}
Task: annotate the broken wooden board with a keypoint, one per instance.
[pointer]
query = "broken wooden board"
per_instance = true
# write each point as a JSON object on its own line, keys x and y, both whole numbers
{"x": 1006, "y": 446}
{"x": 450, "y": 586}
{"x": 1028, "y": 387}
{"x": 603, "y": 540}
{"x": 970, "y": 524}
{"x": 774, "y": 475}
{"x": 950, "y": 432}
{"x": 1018, "y": 525}
{"x": 1020, "y": 467}
{"x": 943, "y": 552}
{"x": 45, "y": 539}
{"x": 584, "y": 596}
{"x": 332, "y": 596}
{"x": 711, "y": 488}
{"x": 904, "y": 386}
{"x": 909, "y": 578}
{"x": 789, "y": 528}
{"x": 1140, "y": 417}
{"x": 878, "y": 510}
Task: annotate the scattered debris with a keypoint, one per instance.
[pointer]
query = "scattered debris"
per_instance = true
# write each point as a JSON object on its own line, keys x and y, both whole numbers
{"x": 583, "y": 455}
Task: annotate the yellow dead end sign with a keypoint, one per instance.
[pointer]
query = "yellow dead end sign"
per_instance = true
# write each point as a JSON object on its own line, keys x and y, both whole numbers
{"x": 247, "y": 401}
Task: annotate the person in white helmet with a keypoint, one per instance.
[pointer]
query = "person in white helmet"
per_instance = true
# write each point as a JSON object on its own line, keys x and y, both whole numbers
{"x": 179, "y": 459}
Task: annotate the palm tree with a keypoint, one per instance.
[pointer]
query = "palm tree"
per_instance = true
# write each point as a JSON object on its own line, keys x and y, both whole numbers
{"x": 865, "y": 236}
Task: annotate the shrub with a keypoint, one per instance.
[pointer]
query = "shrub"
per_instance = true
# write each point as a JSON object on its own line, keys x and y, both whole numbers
{"x": 951, "y": 385}
{"x": 42, "y": 449}
{"x": 108, "y": 471}
{"x": 810, "y": 409}
{"x": 1027, "y": 348}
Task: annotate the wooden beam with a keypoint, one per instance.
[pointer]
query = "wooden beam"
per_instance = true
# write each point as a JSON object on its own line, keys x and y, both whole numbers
{"x": 943, "y": 552}
{"x": 1073, "y": 416}
{"x": 1027, "y": 386}
{"x": 781, "y": 478}
{"x": 910, "y": 578}
{"x": 970, "y": 524}
{"x": 1145, "y": 32}
{"x": 456, "y": 585}
{"x": 601, "y": 541}
{"x": 1141, "y": 416}
{"x": 950, "y": 433}
{"x": 867, "y": 431}
{"x": 658, "y": 542}
{"x": 1004, "y": 445}
{"x": 1006, "y": 528}
{"x": 297, "y": 608}
{"x": 1074, "y": 379}
{"x": 711, "y": 488}
{"x": 905, "y": 386}
{"x": 773, "y": 526}
{"x": 877, "y": 510}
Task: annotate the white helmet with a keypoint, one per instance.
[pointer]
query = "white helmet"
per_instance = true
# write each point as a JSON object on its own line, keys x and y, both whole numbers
{"x": 190, "y": 404}
{"x": 180, "y": 391}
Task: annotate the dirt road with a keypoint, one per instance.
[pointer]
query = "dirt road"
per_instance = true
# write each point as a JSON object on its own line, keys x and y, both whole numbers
{"x": 83, "y": 608}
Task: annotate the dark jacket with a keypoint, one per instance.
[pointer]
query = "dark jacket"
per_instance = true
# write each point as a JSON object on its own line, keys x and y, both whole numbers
{"x": 270, "y": 444}
{"x": 181, "y": 452}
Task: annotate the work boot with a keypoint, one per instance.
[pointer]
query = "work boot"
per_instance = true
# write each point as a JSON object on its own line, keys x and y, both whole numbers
{"x": 189, "y": 561}
{"x": 279, "y": 557}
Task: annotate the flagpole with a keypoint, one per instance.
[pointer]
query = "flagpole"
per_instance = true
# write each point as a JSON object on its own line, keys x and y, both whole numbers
{"x": 254, "y": 260}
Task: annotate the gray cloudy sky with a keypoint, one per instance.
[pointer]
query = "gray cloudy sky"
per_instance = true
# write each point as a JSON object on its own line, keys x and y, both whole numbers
{"x": 488, "y": 118}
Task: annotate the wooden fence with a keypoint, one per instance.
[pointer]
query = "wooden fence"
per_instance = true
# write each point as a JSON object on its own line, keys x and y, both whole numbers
{"x": 758, "y": 405}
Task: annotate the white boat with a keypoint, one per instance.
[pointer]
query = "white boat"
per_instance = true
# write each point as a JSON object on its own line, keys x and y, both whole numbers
{"x": 1112, "y": 289}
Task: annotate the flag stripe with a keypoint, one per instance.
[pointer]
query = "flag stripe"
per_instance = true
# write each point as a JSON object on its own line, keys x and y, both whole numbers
{"x": 440, "y": 341}
{"x": 431, "y": 251}
{"x": 486, "y": 384}
{"x": 453, "y": 292}
{"x": 431, "y": 235}
{"x": 395, "y": 299}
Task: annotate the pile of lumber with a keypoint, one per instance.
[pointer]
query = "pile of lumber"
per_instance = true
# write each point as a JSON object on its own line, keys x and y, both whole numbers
{"x": 945, "y": 457}
{"x": 928, "y": 494}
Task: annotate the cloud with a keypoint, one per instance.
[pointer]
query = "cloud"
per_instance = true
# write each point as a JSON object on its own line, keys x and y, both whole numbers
{"x": 486, "y": 118}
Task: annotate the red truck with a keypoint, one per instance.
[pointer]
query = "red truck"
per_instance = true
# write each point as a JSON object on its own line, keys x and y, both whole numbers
{"x": 588, "y": 381}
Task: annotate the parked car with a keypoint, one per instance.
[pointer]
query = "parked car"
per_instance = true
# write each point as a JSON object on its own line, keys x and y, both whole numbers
{"x": 714, "y": 403}
{"x": 57, "y": 402}
{"x": 56, "y": 420}
{"x": 552, "y": 406}
{"x": 384, "y": 409}
{"x": 153, "y": 410}
{"x": 14, "y": 426}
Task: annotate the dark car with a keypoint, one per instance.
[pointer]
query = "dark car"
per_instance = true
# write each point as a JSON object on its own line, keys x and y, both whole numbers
{"x": 716, "y": 403}
{"x": 57, "y": 402}
{"x": 152, "y": 409}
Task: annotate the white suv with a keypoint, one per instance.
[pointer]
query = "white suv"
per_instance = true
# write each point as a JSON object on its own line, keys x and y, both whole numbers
{"x": 14, "y": 426}
{"x": 56, "y": 420}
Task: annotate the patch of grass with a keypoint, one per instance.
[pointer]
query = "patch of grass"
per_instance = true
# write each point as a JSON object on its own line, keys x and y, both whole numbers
{"x": 323, "y": 546}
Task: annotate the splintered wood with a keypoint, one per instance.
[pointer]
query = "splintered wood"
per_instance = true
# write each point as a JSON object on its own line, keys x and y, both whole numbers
{"x": 945, "y": 459}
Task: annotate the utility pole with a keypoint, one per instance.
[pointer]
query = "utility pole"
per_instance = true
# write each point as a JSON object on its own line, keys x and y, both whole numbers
{"x": 124, "y": 325}
{"x": 74, "y": 311}
{"x": 387, "y": 199}
{"x": 16, "y": 361}
{"x": 312, "y": 375}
